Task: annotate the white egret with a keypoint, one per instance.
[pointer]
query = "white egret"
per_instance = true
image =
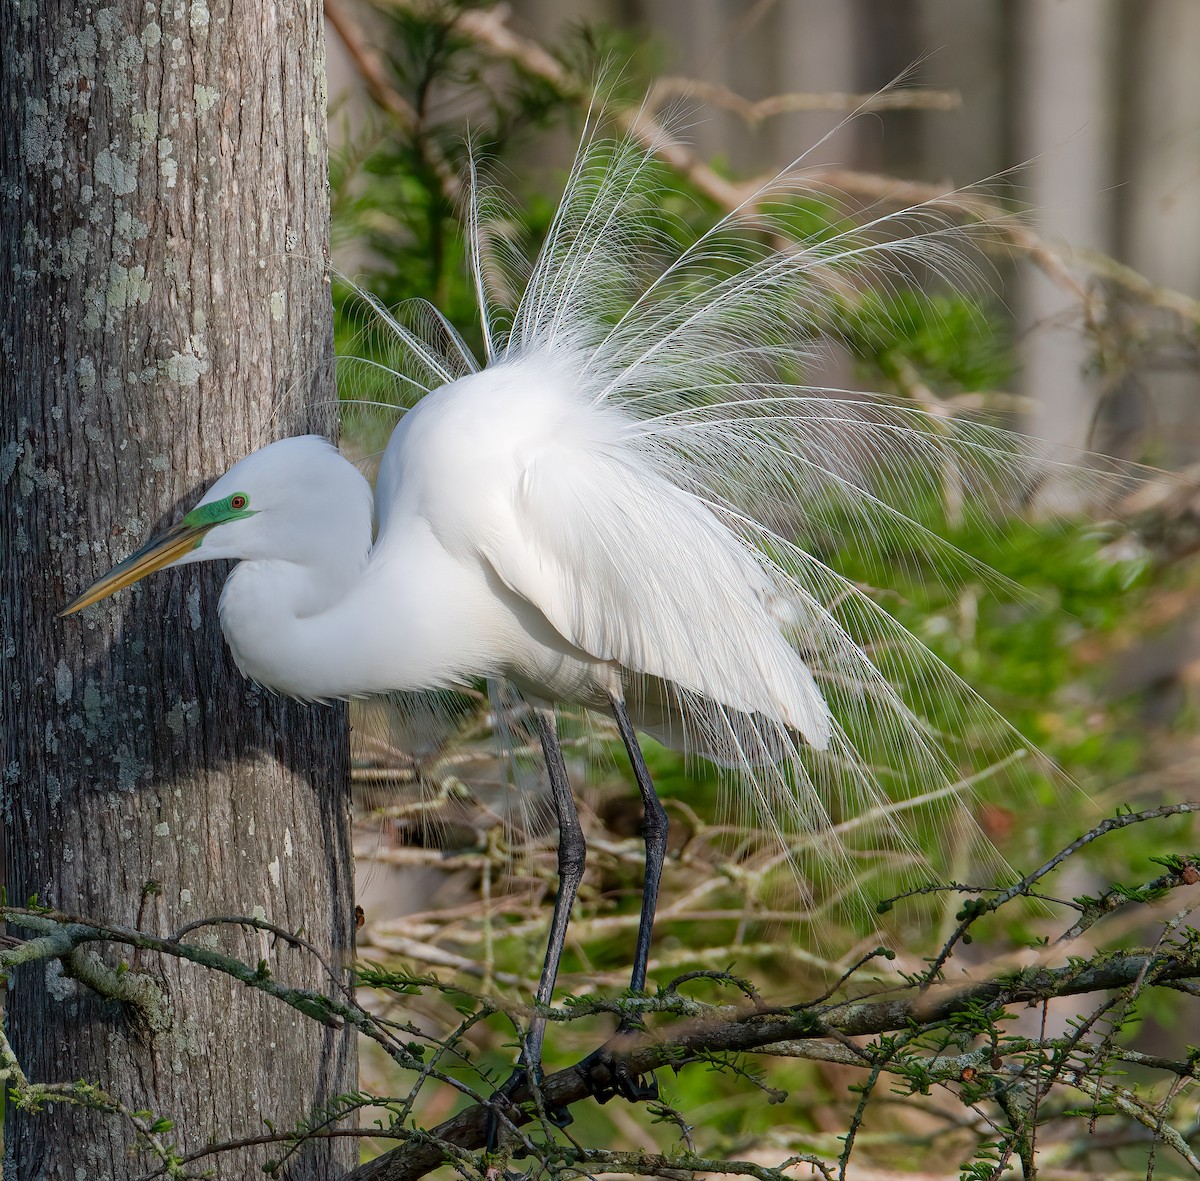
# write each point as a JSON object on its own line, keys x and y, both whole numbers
{"x": 603, "y": 512}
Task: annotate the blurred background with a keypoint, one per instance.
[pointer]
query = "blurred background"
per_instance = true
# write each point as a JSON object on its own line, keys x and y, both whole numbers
{"x": 1087, "y": 111}
{"x": 1074, "y": 125}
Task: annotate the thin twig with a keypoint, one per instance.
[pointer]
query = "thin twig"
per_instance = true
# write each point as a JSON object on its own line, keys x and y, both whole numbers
{"x": 754, "y": 112}
{"x": 488, "y": 27}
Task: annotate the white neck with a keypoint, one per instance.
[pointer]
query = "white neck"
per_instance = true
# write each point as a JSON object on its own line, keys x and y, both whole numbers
{"x": 410, "y": 618}
{"x": 270, "y": 610}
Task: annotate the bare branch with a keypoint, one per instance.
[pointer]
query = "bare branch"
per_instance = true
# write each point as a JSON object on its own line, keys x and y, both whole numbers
{"x": 754, "y": 112}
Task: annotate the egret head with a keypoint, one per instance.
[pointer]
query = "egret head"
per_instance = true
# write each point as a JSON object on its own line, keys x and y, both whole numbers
{"x": 290, "y": 500}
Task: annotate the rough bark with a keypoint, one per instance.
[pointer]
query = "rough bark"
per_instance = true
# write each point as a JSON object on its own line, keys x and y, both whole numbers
{"x": 164, "y": 309}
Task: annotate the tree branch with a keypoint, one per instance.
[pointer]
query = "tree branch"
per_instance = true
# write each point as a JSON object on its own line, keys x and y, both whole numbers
{"x": 489, "y": 29}
{"x": 731, "y": 1030}
{"x": 671, "y": 86}
{"x": 374, "y": 75}
{"x": 60, "y": 935}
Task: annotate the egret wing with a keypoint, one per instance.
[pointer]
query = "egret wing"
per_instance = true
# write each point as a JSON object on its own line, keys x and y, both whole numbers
{"x": 632, "y": 568}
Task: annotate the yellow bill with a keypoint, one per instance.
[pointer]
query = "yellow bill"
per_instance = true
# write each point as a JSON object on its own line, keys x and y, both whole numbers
{"x": 154, "y": 555}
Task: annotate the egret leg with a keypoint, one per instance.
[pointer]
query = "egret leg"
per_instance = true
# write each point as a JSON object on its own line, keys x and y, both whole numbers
{"x": 572, "y": 853}
{"x": 655, "y": 828}
{"x": 606, "y": 1072}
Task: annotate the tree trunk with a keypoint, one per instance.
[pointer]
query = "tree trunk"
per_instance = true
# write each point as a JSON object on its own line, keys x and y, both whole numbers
{"x": 165, "y": 309}
{"x": 1064, "y": 79}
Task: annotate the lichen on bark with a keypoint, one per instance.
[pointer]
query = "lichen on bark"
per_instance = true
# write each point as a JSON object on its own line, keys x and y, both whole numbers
{"x": 160, "y": 188}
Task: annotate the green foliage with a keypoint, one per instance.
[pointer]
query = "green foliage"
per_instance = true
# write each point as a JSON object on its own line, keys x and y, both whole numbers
{"x": 1021, "y": 653}
{"x": 955, "y": 343}
{"x": 395, "y": 188}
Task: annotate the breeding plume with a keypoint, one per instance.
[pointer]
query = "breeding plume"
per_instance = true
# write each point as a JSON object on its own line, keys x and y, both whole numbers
{"x": 621, "y": 505}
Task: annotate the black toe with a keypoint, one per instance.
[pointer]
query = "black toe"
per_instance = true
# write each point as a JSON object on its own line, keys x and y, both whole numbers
{"x": 607, "y": 1075}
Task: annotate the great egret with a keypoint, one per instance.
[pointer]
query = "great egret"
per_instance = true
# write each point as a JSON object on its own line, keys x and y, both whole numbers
{"x": 603, "y": 512}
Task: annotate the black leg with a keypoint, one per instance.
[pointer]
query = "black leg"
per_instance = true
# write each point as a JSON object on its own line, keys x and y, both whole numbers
{"x": 572, "y": 852}
{"x": 606, "y": 1072}
{"x": 654, "y": 834}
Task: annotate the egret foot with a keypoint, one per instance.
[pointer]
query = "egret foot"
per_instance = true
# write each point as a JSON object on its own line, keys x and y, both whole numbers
{"x": 504, "y": 1102}
{"x": 607, "y": 1074}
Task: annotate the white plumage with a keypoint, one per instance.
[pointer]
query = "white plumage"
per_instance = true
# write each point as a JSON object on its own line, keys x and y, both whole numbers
{"x": 523, "y": 534}
{"x": 610, "y": 502}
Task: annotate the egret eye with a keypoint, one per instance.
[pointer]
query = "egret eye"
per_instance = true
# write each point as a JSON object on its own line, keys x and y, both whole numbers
{"x": 238, "y": 501}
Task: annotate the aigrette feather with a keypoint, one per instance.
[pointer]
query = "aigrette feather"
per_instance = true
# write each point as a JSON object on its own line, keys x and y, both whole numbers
{"x": 688, "y": 364}
{"x": 627, "y": 498}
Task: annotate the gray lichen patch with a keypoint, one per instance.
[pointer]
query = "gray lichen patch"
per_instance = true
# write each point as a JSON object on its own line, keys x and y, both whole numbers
{"x": 64, "y": 682}
{"x": 192, "y": 600}
{"x": 186, "y": 368}
{"x": 9, "y": 454}
{"x": 74, "y": 251}
{"x": 205, "y": 98}
{"x": 122, "y": 55}
{"x": 37, "y": 136}
{"x": 168, "y": 166}
{"x": 130, "y": 769}
{"x": 30, "y": 475}
{"x": 85, "y": 373}
{"x": 93, "y": 709}
{"x": 115, "y": 173}
{"x": 199, "y": 17}
{"x": 58, "y": 986}
{"x": 145, "y": 126}
{"x": 183, "y": 368}
{"x": 127, "y": 231}
{"x": 183, "y": 714}
{"x": 127, "y": 287}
